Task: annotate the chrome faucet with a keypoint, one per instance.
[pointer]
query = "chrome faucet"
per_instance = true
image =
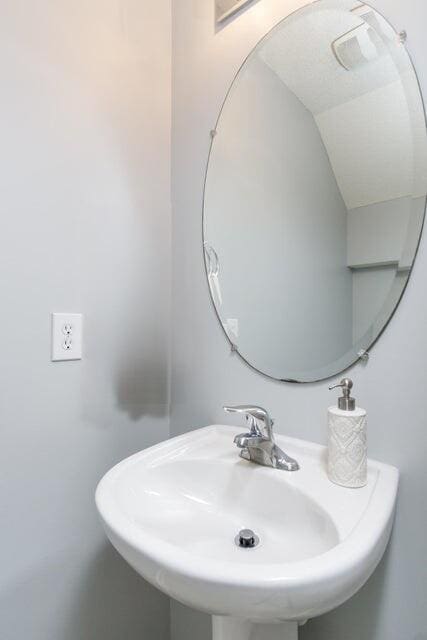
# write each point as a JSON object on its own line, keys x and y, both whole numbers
{"x": 258, "y": 444}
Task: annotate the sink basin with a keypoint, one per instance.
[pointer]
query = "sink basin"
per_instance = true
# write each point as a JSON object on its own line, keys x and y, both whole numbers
{"x": 173, "y": 512}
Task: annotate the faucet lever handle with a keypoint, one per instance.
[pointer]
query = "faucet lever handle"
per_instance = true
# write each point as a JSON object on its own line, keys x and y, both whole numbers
{"x": 258, "y": 415}
{"x": 248, "y": 409}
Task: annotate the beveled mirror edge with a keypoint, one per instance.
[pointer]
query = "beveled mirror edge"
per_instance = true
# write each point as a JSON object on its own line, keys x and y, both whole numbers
{"x": 363, "y": 353}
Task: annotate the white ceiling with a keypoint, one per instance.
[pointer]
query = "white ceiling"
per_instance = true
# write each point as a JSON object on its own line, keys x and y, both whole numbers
{"x": 300, "y": 52}
{"x": 366, "y": 114}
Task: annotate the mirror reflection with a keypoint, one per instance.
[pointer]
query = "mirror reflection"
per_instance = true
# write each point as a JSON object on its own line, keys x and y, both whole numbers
{"x": 315, "y": 191}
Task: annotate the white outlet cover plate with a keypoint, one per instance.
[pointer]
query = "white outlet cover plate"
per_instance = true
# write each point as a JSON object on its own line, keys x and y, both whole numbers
{"x": 67, "y": 336}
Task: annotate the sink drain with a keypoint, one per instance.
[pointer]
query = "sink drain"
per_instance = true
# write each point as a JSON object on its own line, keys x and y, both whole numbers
{"x": 246, "y": 539}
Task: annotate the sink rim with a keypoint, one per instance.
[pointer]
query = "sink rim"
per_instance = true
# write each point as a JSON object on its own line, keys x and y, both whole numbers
{"x": 358, "y": 553}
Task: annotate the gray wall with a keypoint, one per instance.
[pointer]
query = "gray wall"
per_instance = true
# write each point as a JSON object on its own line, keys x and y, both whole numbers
{"x": 84, "y": 184}
{"x": 205, "y": 375}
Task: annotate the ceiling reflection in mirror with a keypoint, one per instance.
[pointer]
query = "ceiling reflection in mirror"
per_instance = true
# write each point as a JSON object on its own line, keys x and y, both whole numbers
{"x": 315, "y": 191}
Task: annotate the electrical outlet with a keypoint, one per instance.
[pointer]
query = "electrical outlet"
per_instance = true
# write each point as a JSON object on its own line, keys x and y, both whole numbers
{"x": 67, "y": 336}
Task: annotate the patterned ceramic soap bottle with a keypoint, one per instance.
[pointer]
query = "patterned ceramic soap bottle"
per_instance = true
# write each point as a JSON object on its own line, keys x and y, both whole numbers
{"x": 347, "y": 440}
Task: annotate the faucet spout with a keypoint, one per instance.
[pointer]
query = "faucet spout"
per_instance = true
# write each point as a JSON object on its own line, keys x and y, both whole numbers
{"x": 246, "y": 440}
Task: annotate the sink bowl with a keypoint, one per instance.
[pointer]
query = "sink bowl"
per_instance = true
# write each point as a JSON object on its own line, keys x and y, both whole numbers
{"x": 173, "y": 512}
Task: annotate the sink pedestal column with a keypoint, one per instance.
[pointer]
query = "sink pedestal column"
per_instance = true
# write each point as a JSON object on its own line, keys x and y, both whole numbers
{"x": 224, "y": 628}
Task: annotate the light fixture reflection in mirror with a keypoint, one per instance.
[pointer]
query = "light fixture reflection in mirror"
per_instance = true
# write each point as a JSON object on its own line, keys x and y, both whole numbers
{"x": 315, "y": 191}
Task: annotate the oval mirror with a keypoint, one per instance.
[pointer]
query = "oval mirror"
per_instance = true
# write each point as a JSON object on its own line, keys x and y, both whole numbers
{"x": 315, "y": 191}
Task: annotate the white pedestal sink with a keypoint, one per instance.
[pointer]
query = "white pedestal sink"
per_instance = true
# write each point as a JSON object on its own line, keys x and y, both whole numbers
{"x": 173, "y": 512}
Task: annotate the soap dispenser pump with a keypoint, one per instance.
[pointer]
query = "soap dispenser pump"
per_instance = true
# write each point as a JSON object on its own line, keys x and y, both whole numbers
{"x": 347, "y": 440}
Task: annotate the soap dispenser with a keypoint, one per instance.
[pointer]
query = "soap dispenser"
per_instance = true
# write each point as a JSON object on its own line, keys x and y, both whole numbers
{"x": 347, "y": 440}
